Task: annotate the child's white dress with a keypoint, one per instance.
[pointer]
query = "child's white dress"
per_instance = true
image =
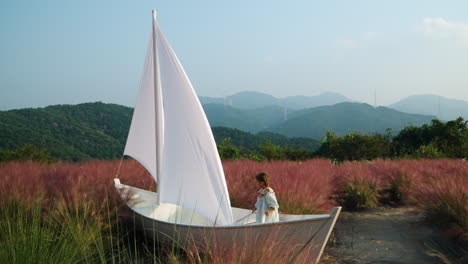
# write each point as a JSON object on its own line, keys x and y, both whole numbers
{"x": 265, "y": 200}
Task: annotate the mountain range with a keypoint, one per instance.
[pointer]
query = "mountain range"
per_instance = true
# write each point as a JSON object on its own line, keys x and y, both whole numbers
{"x": 441, "y": 107}
{"x": 314, "y": 122}
{"x": 346, "y": 117}
{"x": 429, "y": 104}
{"x": 252, "y": 100}
{"x": 250, "y": 120}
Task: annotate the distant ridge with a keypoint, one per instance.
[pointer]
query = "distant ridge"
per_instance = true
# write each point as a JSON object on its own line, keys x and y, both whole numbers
{"x": 345, "y": 117}
{"x": 429, "y": 104}
{"x": 313, "y": 122}
{"x": 250, "y": 120}
{"x": 300, "y": 101}
{"x": 252, "y": 100}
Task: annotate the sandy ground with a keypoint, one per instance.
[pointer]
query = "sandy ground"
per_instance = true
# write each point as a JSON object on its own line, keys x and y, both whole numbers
{"x": 396, "y": 235}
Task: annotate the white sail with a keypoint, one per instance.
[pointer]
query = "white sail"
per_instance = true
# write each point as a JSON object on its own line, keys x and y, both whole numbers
{"x": 191, "y": 174}
{"x": 141, "y": 140}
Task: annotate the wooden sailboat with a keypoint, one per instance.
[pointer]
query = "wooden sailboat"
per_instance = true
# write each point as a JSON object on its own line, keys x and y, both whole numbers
{"x": 171, "y": 137}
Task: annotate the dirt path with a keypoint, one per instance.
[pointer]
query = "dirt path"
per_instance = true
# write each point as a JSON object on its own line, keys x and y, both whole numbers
{"x": 381, "y": 236}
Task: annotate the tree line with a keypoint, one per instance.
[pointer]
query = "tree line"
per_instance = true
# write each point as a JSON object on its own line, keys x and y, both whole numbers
{"x": 430, "y": 141}
{"x": 435, "y": 140}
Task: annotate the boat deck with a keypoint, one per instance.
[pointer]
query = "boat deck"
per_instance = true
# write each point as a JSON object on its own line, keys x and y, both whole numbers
{"x": 144, "y": 203}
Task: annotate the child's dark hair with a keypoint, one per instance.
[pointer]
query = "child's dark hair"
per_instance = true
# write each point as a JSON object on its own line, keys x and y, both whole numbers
{"x": 263, "y": 177}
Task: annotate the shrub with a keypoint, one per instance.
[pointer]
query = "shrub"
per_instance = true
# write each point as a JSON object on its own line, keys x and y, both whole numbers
{"x": 445, "y": 201}
{"x": 25, "y": 153}
{"x": 428, "y": 152}
{"x": 399, "y": 188}
{"x": 227, "y": 151}
{"x": 271, "y": 151}
{"x": 254, "y": 156}
{"x": 354, "y": 146}
{"x": 449, "y": 207}
{"x": 359, "y": 194}
{"x": 398, "y": 181}
{"x": 296, "y": 154}
{"x": 356, "y": 186}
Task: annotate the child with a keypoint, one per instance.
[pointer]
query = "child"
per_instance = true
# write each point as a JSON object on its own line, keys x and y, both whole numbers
{"x": 267, "y": 206}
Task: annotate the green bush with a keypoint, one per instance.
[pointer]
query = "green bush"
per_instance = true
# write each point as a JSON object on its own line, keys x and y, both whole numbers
{"x": 399, "y": 188}
{"x": 358, "y": 194}
{"x": 428, "y": 152}
{"x": 436, "y": 140}
{"x": 255, "y": 156}
{"x": 354, "y": 146}
{"x": 449, "y": 208}
{"x": 25, "y": 153}
{"x": 296, "y": 154}
{"x": 271, "y": 151}
{"x": 227, "y": 151}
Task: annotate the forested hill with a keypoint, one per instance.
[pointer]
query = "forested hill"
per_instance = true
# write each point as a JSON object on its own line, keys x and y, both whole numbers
{"x": 99, "y": 131}
{"x": 346, "y": 117}
{"x": 69, "y": 132}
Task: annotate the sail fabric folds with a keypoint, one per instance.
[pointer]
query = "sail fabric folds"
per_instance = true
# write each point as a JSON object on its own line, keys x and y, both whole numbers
{"x": 141, "y": 140}
{"x": 191, "y": 173}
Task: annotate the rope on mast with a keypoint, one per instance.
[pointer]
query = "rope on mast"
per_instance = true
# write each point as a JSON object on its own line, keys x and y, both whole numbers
{"x": 120, "y": 165}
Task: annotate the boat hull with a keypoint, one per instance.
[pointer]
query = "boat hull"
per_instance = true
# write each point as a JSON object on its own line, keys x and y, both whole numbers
{"x": 303, "y": 236}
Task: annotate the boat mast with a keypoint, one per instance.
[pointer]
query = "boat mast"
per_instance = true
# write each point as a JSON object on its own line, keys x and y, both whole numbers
{"x": 157, "y": 111}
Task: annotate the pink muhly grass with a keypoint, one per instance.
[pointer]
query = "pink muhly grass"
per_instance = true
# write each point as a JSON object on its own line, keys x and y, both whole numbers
{"x": 306, "y": 187}
{"x": 443, "y": 192}
{"x": 75, "y": 203}
{"x": 268, "y": 246}
{"x": 300, "y": 187}
{"x": 438, "y": 186}
{"x": 356, "y": 185}
{"x": 90, "y": 182}
{"x": 270, "y": 251}
{"x": 397, "y": 179}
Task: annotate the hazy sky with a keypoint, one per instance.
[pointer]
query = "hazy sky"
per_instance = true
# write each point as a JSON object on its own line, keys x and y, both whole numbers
{"x": 67, "y": 52}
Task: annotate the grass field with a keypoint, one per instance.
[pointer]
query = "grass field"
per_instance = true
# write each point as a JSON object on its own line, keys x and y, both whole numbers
{"x": 70, "y": 213}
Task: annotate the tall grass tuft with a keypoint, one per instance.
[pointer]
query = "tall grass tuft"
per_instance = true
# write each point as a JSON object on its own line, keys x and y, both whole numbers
{"x": 399, "y": 188}
{"x": 27, "y": 238}
{"x": 398, "y": 181}
{"x": 445, "y": 198}
{"x": 358, "y": 194}
{"x": 356, "y": 186}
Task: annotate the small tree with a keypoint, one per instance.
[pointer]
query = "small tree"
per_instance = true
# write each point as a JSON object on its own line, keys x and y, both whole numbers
{"x": 428, "y": 152}
{"x": 255, "y": 156}
{"x": 25, "y": 153}
{"x": 447, "y": 139}
{"x": 227, "y": 151}
{"x": 296, "y": 154}
{"x": 353, "y": 146}
{"x": 271, "y": 151}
